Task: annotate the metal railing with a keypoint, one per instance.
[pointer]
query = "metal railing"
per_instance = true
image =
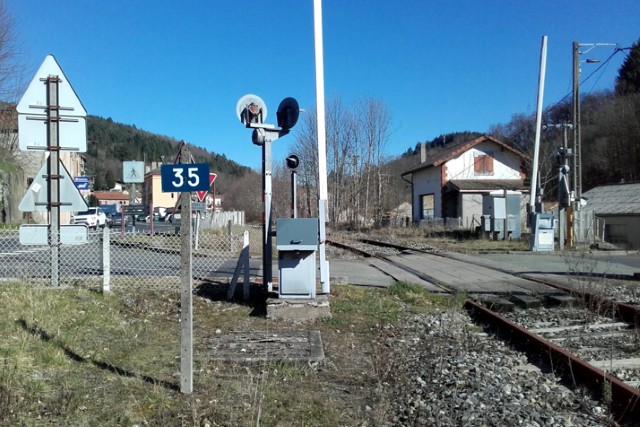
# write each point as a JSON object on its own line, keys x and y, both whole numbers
{"x": 124, "y": 259}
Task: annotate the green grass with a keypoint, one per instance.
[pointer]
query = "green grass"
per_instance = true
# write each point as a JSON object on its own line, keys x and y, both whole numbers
{"x": 76, "y": 357}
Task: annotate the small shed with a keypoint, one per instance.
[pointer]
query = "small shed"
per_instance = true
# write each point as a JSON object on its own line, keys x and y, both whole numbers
{"x": 614, "y": 213}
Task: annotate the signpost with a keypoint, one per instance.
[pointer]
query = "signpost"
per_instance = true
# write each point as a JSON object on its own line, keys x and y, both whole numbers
{"x": 198, "y": 206}
{"x": 134, "y": 209}
{"x": 82, "y": 182}
{"x": 36, "y": 199}
{"x": 203, "y": 194}
{"x": 185, "y": 178}
{"x": 36, "y": 234}
{"x": 133, "y": 173}
{"x": 52, "y": 118}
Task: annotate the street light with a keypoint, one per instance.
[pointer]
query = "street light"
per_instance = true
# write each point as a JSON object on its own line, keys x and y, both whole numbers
{"x": 577, "y": 145}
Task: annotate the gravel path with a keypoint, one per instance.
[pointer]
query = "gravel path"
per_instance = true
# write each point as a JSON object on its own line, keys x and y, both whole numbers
{"x": 443, "y": 372}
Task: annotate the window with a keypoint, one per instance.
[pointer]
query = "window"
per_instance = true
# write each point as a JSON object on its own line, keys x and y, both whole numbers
{"x": 426, "y": 206}
{"x": 483, "y": 164}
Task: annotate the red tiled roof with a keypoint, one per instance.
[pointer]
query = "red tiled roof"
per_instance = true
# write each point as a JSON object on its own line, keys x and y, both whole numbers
{"x": 110, "y": 195}
{"x": 440, "y": 155}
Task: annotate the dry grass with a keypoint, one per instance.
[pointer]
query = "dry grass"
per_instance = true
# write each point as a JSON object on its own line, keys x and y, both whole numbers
{"x": 447, "y": 240}
{"x": 77, "y": 357}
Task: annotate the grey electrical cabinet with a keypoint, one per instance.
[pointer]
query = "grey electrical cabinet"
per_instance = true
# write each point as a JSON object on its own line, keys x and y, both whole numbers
{"x": 542, "y": 232}
{"x": 297, "y": 242}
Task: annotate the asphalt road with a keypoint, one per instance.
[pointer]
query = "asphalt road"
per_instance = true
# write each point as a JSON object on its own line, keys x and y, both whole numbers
{"x": 19, "y": 261}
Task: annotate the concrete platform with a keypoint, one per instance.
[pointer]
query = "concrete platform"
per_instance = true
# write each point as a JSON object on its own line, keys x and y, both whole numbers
{"x": 299, "y": 310}
{"x": 268, "y": 346}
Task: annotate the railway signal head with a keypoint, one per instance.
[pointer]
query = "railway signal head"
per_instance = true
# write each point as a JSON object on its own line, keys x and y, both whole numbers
{"x": 293, "y": 162}
{"x": 251, "y": 109}
{"x": 288, "y": 113}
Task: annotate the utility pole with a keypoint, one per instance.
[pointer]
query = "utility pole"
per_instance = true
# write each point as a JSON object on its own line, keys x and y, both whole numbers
{"x": 577, "y": 129}
{"x": 577, "y": 179}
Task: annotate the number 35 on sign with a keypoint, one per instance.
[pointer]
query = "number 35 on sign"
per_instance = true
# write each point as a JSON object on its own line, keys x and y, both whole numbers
{"x": 183, "y": 178}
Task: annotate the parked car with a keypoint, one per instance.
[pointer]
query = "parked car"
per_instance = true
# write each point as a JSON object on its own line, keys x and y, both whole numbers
{"x": 116, "y": 219}
{"x": 92, "y": 218}
{"x": 168, "y": 216}
{"x": 160, "y": 213}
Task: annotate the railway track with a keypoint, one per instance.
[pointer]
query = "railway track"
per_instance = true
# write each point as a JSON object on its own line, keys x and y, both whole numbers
{"x": 593, "y": 343}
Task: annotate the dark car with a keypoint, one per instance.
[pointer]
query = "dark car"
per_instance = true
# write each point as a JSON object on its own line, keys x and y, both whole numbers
{"x": 116, "y": 219}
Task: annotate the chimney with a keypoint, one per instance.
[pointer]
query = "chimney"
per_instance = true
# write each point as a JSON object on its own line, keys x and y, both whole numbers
{"x": 423, "y": 152}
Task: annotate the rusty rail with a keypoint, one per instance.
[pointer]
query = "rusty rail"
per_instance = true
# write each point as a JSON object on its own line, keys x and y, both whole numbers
{"x": 625, "y": 400}
{"x": 626, "y": 312}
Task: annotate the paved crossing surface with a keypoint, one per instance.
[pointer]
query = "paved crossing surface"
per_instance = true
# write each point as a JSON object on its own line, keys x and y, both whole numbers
{"x": 489, "y": 273}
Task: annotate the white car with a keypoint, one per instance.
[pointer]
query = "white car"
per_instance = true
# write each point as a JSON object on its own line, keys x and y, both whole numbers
{"x": 92, "y": 218}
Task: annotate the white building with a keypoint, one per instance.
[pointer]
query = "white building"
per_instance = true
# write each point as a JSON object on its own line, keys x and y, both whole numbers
{"x": 449, "y": 181}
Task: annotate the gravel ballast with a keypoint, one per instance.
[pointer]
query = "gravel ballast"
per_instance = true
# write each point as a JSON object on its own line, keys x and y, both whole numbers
{"x": 443, "y": 371}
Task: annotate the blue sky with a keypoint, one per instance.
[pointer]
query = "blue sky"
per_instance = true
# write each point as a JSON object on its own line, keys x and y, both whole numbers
{"x": 178, "y": 68}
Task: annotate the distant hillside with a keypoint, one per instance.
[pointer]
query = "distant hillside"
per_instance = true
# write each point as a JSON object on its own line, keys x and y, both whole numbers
{"x": 111, "y": 143}
{"x": 442, "y": 141}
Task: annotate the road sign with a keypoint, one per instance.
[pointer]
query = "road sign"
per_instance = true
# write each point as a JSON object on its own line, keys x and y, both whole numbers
{"x": 133, "y": 172}
{"x": 134, "y": 209}
{"x": 32, "y": 112}
{"x": 203, "y": 194}
{"x": 184, "y": 177}
{"x": 36, "y": 198}
{"x": 38, "y": 234}
{"x": 82, "y": 182}
{"x": 198, "y": 206}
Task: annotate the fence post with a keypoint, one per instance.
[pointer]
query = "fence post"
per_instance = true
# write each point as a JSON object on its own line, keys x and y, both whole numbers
{"x": 106, "y": 261}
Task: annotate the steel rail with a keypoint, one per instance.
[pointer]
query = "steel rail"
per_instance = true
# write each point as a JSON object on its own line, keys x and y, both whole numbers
{"x": 628, "y": 313}
{"x": 416, "y": 273}
{"x": 624, "y": 399}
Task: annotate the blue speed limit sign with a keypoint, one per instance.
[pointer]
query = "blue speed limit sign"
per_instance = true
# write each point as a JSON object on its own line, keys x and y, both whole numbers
{"x": 183, "y": 178}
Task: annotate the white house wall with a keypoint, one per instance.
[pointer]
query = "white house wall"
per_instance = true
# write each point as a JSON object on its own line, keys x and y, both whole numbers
{"x": 506, "y": 165}
{"x": 427, "y": 181}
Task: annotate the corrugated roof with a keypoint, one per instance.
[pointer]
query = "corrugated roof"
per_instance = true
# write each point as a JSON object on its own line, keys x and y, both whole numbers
{"x": 619, "y": 199}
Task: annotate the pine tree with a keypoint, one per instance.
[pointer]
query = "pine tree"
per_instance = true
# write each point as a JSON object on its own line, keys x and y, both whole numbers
{"x": 628, "y": 80}
{"x": 110, "y": 181}
{"x": 98, "y": 183}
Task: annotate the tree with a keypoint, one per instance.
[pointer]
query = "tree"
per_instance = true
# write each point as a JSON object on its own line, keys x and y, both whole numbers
{"x": 109, "y": 179}
{"x": 245, "y": 194}
{"x": 13, "y": 179}
{"x": 10, "y": 68}
{"x": 98, "y": 183}
{"x": 356, "y": 142}
{"x": 628, "y": 80}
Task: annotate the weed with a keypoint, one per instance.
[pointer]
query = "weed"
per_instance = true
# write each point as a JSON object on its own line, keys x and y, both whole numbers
{"x": 77, "y": 357}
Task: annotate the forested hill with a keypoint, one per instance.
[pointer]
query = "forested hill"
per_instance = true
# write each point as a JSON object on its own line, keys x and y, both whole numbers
{"x": 111, "y": 143}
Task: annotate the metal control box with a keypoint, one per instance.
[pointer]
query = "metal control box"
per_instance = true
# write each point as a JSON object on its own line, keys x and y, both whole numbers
{"x": 297, "y": 242}
{"x": 542, "y": 230}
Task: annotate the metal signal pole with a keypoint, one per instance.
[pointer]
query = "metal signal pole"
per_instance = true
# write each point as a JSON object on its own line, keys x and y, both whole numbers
{"x": 577, "y": 129}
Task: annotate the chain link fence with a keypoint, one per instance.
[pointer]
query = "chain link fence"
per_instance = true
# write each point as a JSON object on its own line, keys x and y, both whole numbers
{"x": 126, "y": 259}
